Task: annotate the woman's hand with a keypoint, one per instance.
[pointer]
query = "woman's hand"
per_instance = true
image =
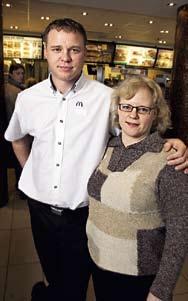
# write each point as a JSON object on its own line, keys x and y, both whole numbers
{"x": 178, "y": 158}
{"x": 151, "y": 297}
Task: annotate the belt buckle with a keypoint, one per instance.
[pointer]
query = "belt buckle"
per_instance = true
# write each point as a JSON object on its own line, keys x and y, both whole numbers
{"x": 56, "y": 211}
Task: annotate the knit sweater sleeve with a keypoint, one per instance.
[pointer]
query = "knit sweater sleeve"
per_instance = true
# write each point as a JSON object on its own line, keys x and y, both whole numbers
{"x": 172, "y": 194}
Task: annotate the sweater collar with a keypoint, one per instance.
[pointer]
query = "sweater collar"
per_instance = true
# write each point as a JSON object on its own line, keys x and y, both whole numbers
{"x": 152, "y": 143}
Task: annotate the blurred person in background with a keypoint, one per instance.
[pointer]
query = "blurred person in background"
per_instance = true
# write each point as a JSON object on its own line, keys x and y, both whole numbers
{"x": 14, "y": 86}
{"x": 138, "y": 211}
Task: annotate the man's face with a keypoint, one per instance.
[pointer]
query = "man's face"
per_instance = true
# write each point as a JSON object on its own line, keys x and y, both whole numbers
{"x": 18, "y": 75}
{"x": 65, "y": 53}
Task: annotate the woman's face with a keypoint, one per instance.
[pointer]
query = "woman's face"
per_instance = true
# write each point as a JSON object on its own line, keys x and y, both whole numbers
{"x": 136, "y": 124}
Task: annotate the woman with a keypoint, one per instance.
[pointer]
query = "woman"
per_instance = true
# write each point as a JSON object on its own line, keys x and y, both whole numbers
{"x": 138, "y": 217}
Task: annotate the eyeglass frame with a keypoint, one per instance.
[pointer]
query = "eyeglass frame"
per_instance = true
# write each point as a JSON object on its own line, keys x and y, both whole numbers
{"x": 148, "y": 109}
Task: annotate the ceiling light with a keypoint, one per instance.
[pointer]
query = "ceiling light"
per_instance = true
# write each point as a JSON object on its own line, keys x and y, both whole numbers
{"x": 108, "y": 24}
{"x": 150, "y": 21}
{"x": 171, "y": 4}
{"x": 118, "y": 37}
{"x": 7, "y": 4}
{"x": 13, "y": 27}
{"x": 164, "y": 31}
{"x": 45, "y": 18}
{"x": 84, "y": 13}
{"x": 161, "y": 41}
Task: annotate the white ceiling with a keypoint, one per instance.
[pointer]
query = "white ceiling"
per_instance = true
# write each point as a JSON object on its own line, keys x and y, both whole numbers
{"x": 129, "y": 17}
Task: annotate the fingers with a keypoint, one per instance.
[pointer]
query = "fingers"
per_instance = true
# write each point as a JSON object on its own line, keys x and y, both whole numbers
{"x": 176, "y": 158}
{"x": 180, "y": 157}
{"x": 167, "y": 146}
{"x": 177, "y": 145}
{"x": 183, "y": 167}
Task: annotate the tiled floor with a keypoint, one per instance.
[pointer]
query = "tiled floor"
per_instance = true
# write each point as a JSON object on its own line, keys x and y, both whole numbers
{"x": 19, "y": 264}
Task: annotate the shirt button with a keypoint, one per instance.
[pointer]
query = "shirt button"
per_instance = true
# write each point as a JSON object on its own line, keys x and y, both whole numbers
{"x": 63, "y": 98}
{"x": 61, "y": 120}
{"x": 57, "y": 164}
{"x": 55, "y": 187}
{"x": 59, "y": 143}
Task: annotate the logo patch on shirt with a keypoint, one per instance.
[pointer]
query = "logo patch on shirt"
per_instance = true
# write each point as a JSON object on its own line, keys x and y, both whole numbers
{"x": 80, "y": 108}
{"x": 79, "y": 104}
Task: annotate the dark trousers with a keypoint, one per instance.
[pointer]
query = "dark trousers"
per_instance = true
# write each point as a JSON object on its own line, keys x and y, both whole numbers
{"x": 111, "y": 286}
{"x": 61, "y": 243}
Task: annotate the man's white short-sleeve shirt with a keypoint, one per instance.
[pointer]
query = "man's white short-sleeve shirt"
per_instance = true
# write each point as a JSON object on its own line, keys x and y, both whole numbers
{"x": 70, "y": 134}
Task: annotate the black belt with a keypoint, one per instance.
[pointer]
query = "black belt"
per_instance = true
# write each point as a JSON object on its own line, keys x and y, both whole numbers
{"x": 61, "y": 211}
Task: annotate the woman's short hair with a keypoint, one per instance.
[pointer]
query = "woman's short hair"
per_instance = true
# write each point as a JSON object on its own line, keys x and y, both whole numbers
{"x": 128, "y": 88}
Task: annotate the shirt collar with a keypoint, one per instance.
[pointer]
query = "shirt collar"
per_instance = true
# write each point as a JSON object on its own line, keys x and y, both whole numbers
{"x": 152, "y": 143}
{"x": 76, "y": 86}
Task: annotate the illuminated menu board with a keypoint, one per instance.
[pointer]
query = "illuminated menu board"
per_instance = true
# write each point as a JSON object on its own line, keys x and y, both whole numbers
{"x": 164, "y": 58}
{"x": 98, "y": 52}
{"x": 135, "y": 56}
{"x": 22, "y": 47}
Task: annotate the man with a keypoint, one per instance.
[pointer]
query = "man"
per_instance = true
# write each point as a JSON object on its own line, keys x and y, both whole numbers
{"x": 67, "y": 115}
{"x": 14, "y": 86}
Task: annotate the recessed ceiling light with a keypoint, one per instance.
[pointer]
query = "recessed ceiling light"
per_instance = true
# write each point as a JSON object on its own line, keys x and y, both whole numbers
{"x": 7, "y": 4}
{"x": 118, "y": 37}
{"x": 84, "y": 13}
{"x": 171, "y": 4}
{"x": 164, "y": 31}
{"x": 150, "y": 21}
{"x": 161, "y": 41}
{"x": 45, "y": 18}
{"x": 13, "y": 27}
{"x": 108, "y": 24}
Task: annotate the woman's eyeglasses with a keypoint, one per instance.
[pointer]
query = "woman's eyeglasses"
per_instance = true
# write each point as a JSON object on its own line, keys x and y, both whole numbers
{"x": 139, "y": 109}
